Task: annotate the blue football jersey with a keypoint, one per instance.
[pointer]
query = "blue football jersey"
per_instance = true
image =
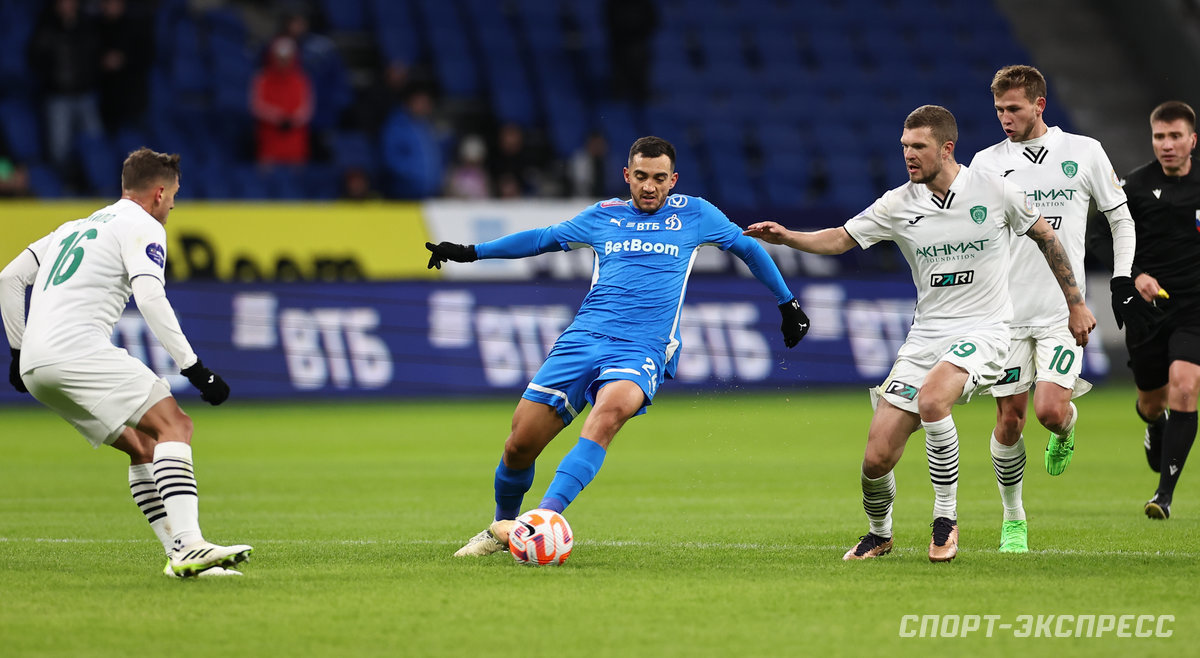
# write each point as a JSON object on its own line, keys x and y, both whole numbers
{"x": 642, "y": 263}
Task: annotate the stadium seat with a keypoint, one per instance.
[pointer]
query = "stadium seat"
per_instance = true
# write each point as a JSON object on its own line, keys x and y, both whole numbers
{"x": 44, "y": 183}
{"x": 345, "y": 15}
{"x": 22, "y": 129}
{"x": 101, "y": 165}
{"x": 353, "y": 149}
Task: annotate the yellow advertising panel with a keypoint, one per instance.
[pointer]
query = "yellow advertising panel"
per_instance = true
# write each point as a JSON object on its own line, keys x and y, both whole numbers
{"x": 340, "y": 241}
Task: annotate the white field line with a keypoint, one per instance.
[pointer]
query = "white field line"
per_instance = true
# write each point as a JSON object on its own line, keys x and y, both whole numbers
{"x": 714, "y": 546}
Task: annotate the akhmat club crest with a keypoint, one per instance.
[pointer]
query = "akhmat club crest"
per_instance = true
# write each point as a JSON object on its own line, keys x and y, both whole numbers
{"x": 978, "y": 214}
{"x": 1070, "y": 168}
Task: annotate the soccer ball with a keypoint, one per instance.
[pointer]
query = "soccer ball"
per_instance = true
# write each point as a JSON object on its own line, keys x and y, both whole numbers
{"x": 541, "y": 537}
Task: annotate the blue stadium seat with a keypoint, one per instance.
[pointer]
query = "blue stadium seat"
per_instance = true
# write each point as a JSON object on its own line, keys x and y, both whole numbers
{"x": 44, "y": 183}
{"x": 189, "y": 74}
{"x": 352, "y": 148}
{"x": 101, "y": 165}
{"x": 322, "y": 182}
{"x": 22, "y": 129}
{"x": 567, "y": 117}
{"x": 345, "y": 15}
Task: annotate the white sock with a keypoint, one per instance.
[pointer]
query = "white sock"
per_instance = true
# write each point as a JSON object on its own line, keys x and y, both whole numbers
{"x": 878, "y": 495}
{"x": 941, "y": 450}
{"x": 176, "y": 483}
{"x": 1070, "y": 423}
{"x": 1009, "y": 462}
{"x": 145, "y": 494}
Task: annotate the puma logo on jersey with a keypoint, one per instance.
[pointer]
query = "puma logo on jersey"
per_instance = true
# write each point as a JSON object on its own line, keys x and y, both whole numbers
{"x": 614, "y": 220}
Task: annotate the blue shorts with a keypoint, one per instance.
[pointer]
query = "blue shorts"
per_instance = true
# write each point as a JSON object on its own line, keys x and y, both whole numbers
{"x": 581, "y": 363}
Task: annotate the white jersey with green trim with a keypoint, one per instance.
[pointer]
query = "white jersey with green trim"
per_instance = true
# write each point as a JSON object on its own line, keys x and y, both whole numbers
{"x": 83, "y": 283}
{"x": 957, "y": 246}
{"x": 1060, "y": 173}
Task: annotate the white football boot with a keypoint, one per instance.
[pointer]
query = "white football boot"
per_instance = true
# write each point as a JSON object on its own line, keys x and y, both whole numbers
{"x": 202, "y": 556}
{"x": 492, "y": 540}
{"x": 207, "y": 573}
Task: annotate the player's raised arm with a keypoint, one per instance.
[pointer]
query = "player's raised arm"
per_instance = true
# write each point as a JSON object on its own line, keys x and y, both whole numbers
{"x": 830, "y": 241}
{"x": 516, "y": 245}
{"x": 1081, "y": 320}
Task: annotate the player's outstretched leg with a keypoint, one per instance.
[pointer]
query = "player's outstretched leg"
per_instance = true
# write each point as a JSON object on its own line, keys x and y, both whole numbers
{"x": 577, "y": 470}
{"x": 1009, "y": 463}
{"x": 176, "y": 483}
{"x": 878, "y": 496}
{"x": 1061, "y": 447}
{"x": 1152, "y": 443}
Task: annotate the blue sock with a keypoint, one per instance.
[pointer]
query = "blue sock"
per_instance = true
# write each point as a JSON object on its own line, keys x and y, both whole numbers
{"x": 511, "y": 486}
{"x": 574, "y": 473}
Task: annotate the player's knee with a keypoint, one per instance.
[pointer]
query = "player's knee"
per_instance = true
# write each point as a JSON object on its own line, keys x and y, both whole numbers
{"x": 519, "y": 454}
{"x": 1053, "y": 416}
{"x": 179, "y": 428}
{"x": 877, "y": 463}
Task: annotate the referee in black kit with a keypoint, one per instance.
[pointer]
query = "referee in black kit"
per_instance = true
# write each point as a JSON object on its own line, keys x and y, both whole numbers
{"x": 1164, "y": 338}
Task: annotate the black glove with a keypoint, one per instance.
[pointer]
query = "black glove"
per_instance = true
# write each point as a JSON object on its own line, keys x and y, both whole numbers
{"x": 213, "y": 389}
{"x": 14, "y": 371}
{"x": 795, "y": 322}
{"x": 444, "y": 251}
{"x": 1135, "y": 313}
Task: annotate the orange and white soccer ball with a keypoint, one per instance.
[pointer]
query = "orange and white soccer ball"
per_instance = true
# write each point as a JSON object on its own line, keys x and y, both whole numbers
{"x": 541, "y": 537}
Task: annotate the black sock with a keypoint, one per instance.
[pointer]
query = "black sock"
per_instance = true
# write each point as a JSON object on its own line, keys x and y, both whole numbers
{"x": 1177, "y": 442}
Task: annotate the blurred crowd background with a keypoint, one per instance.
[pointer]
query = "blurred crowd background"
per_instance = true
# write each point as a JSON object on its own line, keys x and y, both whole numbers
{"x": 771, "y": 103}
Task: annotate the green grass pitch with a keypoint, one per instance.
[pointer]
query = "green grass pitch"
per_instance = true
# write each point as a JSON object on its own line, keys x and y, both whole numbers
{"x": 715, "y": 528}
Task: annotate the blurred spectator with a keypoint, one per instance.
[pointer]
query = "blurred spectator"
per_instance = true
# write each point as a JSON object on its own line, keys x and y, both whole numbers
{"x": 588, "y": 168}
{"x": 62, "y": 54}
{"x": 631, "y": 25}
{"x": 390, "y": 88}
{"x": 468, "y": 179}
{"x": 512, "y": 165}
{"x": 281, "y": 101}
{"x": 319, "y": 57}
{"x": 411, "y": 153}
{"x": 356, "y": 185}
{"x": 126, "y": 49}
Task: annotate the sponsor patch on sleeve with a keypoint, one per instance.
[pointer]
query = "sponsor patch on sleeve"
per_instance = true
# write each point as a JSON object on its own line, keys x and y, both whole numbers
{"x": 611, "y": 202}
{"x": 156, "y": 254}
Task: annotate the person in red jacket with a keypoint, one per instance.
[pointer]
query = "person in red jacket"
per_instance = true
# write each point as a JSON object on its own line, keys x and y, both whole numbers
{"x": 281, "y": 100}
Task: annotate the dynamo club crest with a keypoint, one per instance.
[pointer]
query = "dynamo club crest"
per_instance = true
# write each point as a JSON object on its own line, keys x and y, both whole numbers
{"x": 978, "y": 214}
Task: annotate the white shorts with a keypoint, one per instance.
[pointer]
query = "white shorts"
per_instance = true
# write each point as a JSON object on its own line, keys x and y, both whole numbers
{"x": 980, "y": 352}
{"x": 1044, "y": 354}
{"x": 99, "y": 394}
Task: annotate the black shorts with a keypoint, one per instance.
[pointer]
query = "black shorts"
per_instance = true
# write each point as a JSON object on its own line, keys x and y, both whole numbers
{"x": 1176, "y": 337}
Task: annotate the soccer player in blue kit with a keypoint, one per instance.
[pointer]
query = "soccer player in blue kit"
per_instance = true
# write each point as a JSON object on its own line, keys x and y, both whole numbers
{"x": 624, "y": 341}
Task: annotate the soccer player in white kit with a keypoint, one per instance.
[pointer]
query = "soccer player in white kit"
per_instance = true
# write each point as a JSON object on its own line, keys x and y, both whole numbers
{"x": 82, "y": 275}
{"x": 1060, "y": 173}
{"x": 954, "y": 227}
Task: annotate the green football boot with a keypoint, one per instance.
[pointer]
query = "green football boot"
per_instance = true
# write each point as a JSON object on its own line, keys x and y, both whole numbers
{"x": 1014, "y": 537}
{"x": 1059, "y": 453}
